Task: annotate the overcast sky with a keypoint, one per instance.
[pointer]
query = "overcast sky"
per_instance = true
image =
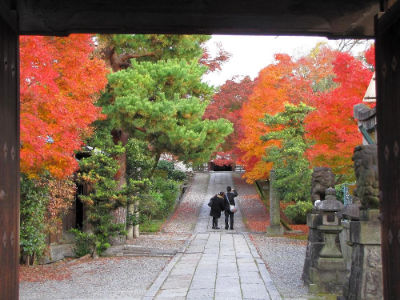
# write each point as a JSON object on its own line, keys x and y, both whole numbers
{"x": 250, "y": 54}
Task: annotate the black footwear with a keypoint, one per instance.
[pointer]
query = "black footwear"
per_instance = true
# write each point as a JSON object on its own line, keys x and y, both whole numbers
{"x": 226, "y": 228}
{"x": 217, "y": 228}
{"x": 213, "y": 227}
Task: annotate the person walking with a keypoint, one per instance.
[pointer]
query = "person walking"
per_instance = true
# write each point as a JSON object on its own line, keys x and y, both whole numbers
{"x": 217, "y": 204}
{"x": 230, "y": 208}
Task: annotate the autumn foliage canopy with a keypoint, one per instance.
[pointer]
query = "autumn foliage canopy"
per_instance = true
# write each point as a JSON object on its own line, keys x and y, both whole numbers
{"x": 332, "y": 125}
{"x": 60, "y": 82}
{"x": 330, "y": 81}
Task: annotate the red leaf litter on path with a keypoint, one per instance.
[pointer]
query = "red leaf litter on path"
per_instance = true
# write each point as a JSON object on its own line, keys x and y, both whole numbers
{"x": 254, "y": 212}
{"x": 42, "y": 273}
{"x": 56, "y": 271}
{"x": 61, "y": 270}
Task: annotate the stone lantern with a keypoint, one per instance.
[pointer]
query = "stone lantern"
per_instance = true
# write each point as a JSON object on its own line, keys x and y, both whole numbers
{"x": 330, "y": 271}
{"x": 330, "y": 224}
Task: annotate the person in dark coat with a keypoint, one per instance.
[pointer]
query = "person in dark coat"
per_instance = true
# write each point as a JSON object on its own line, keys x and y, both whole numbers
{"x": 229, "y": 200}
{"x": 217, "y": 204}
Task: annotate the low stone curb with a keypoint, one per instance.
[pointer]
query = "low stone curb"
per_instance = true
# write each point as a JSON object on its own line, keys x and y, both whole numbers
{"x": 155, "y": 287}
{"x": 152, "y": 291}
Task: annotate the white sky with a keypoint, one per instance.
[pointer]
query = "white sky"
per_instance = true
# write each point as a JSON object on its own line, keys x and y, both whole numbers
{"x": 250, "y": 54}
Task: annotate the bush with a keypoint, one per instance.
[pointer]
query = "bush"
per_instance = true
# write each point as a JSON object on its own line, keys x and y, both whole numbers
{"x": 162, "y": 198}
{"x": 298, "y": 212}
{"x": 168, "y": 167}
{"x": 97, "y": 172}
{"x": 340, "y": 190}
{"x": 85, "y": 243}
{"x": 34, "y": 199}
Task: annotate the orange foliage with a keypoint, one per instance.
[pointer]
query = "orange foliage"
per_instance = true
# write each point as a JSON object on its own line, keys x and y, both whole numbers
{"x": 278, "y": 83}
{"x": 60, "y": 80}
{"x": 332, "y": 125}
{"x": 328, "y": 80}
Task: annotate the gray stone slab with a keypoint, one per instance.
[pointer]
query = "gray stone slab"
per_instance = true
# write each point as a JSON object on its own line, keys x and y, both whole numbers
{"x": 203, "y": 283}
{"x": 182, "y": 271}
{"x": 227, "y": 271}
{"x": 200, "y": 294}
{"x": 202, "y": 236}
{"x": 174, "y": 282}
{"x": 231, "y": 283}
{"x": 251, "y": 277}
{"x": 170, "y": 297}
{"x": 255, "y": 291}
{"x": 246, "y": 259}
{"x": 247, "y": 267}
{"x": 172, "y": 293}
{"x": 227, "y": 296}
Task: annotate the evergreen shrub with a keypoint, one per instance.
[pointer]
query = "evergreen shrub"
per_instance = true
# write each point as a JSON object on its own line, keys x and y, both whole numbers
{"x": 297, "y": 213}
{"x": 34, "y": 199}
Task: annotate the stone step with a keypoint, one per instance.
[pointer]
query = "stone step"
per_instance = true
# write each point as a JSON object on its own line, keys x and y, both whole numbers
{"x": 133, "y": 250}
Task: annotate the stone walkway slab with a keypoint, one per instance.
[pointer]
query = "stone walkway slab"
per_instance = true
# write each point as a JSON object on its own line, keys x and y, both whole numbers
{"x": 216, "y": 264}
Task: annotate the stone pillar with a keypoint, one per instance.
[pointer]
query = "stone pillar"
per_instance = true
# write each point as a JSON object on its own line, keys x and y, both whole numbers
{"x": 275, "y": 227}
{"x": 322, "y": 178}
{"x": 365, "y": 280}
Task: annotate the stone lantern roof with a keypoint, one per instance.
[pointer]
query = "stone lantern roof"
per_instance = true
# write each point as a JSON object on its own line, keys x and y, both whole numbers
{"x": 330, "y": 204}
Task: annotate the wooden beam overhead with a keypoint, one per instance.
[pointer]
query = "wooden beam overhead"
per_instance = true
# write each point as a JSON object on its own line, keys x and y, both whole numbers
{"x": 331, "y": 18}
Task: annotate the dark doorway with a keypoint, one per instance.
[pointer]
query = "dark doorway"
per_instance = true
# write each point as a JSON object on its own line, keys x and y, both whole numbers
{"x": 79, "y": 208}
{"x": 214, "y": 167}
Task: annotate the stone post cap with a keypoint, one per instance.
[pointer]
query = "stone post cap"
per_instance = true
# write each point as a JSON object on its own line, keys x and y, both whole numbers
{"x": 330, "y": 204}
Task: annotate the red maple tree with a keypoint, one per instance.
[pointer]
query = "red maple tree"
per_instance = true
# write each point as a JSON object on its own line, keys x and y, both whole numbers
{"x": 60, "y": 81}
{"x": 278, "y": 83}
{"x": 227, "y": 104}
{"x": 332, "y": 125}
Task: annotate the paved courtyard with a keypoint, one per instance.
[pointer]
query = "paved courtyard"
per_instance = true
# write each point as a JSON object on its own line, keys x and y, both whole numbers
{"x": 216, "y": 264}
{"x": 208, "y": 264}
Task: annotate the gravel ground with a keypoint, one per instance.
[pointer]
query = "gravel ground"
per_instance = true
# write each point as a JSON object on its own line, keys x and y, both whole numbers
{"x": 122, "y": 277}
{"x": 103, "y": 278}
{"x": 166, "y": 241}
{"x": 284, "y": 259}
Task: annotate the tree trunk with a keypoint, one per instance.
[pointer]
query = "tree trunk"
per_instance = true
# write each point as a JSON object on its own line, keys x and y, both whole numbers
{"x": 120, "y": 213}
{"x": 157, "y": 158}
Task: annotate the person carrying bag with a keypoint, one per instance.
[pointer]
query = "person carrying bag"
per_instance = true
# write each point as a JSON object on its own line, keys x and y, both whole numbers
{"x": 230, "y": 207}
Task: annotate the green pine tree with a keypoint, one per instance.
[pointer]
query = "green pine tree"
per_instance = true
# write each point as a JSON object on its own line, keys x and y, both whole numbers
{"x": 292, "y": 169}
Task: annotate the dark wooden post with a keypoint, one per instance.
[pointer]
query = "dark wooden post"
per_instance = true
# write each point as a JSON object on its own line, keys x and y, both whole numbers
{"x": 9, "y": 156}
{"x": 387, "y": 29}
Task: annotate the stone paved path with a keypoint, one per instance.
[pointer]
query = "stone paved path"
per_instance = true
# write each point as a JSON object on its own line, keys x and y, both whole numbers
{"x": 216, "y": 264}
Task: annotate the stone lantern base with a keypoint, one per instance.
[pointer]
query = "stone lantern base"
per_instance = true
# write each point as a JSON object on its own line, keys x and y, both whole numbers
{"x": 329, "y": 275}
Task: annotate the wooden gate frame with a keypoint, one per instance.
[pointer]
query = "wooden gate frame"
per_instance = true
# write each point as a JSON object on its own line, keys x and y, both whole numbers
{"x": 9, "y": 159}
{"x": 387, "y": 32}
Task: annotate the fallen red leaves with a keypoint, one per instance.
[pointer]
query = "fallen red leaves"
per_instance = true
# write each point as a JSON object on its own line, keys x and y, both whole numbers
{"x": 302, "y": 227}
{"x": 42, "y": 273}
